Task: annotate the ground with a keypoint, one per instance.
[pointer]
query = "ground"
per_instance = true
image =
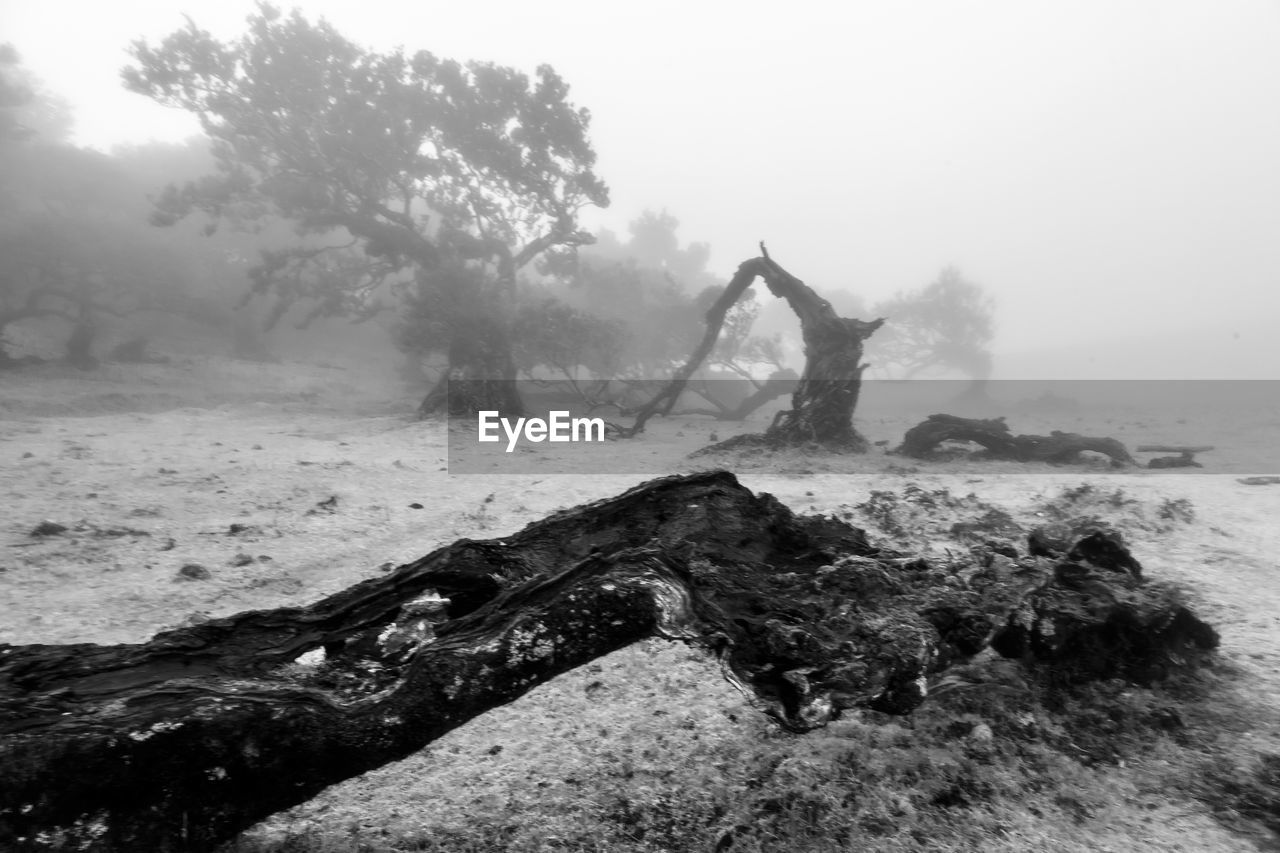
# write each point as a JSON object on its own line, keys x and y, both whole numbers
{"x": 281, "y": 483}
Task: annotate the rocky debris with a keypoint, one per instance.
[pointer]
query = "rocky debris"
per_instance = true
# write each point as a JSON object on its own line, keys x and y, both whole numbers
{"x": 327, "y": 506}
{"x": 48, "y": 528}
{"x": 193, "y": 572}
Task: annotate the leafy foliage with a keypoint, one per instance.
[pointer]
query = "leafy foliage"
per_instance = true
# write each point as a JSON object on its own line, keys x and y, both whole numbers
{"x": 392, "y": 163}
{"x": 947, "y": 325}
{"x": 553, "y": 333}
{"x": 658, "y": 291}
{"x": 73, "y": 237}
{"x": 27, "y": 112}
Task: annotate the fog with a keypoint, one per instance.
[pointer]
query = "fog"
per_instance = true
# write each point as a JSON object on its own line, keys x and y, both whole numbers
{"x": 1107, "y": 171}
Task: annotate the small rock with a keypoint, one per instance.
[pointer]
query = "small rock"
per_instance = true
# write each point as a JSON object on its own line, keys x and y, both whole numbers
{"x": 169, "y": 544}
{"x": 415, "y": 506}
{"x": 981, "y": 733}
{"x": 167, "y": 471}
{"x": 1106, "y": 550}
{"x": 48, "y": 528}
{"x": 28, "y": 455}
{"x": 257, "y": 447}
{"x": 242, "y": 559}
{"x": 328, "y": 505}
{"x": 193, "y": 572}
{"x": 237, "y": 528}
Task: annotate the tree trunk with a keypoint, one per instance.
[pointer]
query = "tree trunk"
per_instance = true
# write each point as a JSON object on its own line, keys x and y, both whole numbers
{"x": 824, "y": 400}
{"x": 182, "y": 742}
{"x": 481, "y": 375}
{"x": 922, "y": 440}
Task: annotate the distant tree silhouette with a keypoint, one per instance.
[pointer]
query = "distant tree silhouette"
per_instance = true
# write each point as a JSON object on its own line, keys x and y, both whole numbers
{"x": 948, "y": 324}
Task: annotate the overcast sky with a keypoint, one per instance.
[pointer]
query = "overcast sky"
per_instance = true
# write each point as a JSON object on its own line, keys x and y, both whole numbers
{"x": 1109, "y": 170}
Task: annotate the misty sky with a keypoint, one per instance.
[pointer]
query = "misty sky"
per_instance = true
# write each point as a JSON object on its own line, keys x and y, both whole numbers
{"x": 1109, "y": 170}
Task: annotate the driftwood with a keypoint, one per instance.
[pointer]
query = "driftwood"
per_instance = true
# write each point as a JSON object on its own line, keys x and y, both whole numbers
{"x": 1186, "y": 457}
{"x": 823, "y": 402}
{"x": 182, "y": 742}
{"x": 922, "y": 440}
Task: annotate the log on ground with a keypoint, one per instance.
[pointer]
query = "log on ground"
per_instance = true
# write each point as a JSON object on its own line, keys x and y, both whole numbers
{"x": 182, "y": 742}
{"x": 922, "y": 440}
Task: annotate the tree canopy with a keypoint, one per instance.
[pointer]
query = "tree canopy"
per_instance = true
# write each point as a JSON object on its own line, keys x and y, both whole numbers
{"x": 948, "y": 324}
{"x": 74, "y": 243}
{"x": 397, "y": 165}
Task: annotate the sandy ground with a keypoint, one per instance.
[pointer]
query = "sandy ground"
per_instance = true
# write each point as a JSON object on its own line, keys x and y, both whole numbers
{"x": 226, "y": 465}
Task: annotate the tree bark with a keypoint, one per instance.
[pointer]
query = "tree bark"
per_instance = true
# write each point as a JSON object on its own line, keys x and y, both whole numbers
{"x": 922, "y": 440}
{"x": 822, "y": 406}
{"x": 823, "y": 402}
{"x": 182, "y": 742}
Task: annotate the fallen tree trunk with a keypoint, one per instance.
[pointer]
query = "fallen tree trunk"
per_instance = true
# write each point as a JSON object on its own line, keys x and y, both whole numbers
{"x": 922, "y": 440}
{"x": 182, "y": 742}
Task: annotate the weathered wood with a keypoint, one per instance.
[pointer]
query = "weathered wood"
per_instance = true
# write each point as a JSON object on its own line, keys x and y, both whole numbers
{"x": 823, "y": 403}
{"x": 826, "y": 395}
{"x": 184, "y": 741}
{"x": 1186, "y": 460}
{"x": 922, "y": 440}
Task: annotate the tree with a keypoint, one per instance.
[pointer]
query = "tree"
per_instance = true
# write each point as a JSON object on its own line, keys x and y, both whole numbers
{"x": 826, "y": 393}
{"x": 73, "y": 239}
{"x": 182, "y": 742}
{"x": 27, "y": 111}
{"x": 947, "y": 325}
{"x": 418, "y": 167}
